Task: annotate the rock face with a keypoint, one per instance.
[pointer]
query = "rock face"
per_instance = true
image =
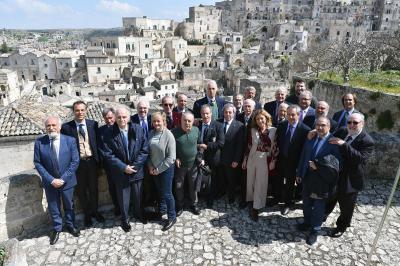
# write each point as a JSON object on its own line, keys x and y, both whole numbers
{"x": 385, "y": 160}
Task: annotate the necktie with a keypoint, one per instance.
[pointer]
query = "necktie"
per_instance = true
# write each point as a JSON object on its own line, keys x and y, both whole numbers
{"x": 214, "y": 110}
{"x": 125, "y": 143}
{"x": 169, "y": 122}
{"x": 205, "y": 131}
{"x": 144, "y": 126}
{"x": 288, "y": 137}
{"x": 54, "y": 159}
{"x": 315, "y": 149}
{"x": 301, "y": 116}
{"x": 225, "y": 127}
{"x": 349, "y": 138}
{"x": 246, "y": 121}
{"x": 82, "y": 131}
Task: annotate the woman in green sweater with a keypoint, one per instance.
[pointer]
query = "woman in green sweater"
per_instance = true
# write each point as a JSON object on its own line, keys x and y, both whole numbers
{"x": 161, "y": 165}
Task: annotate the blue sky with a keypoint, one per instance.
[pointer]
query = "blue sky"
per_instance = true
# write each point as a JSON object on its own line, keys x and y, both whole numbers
{"x": 51, "y": 14}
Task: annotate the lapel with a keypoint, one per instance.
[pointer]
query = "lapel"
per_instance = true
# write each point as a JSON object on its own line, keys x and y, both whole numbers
{"x": 62, "y": 150}
{"x": 231, "y": 128}
{"x": 131, "y": 141}
{"x": 118, "y": 142}
{"x": 74, "y": 131}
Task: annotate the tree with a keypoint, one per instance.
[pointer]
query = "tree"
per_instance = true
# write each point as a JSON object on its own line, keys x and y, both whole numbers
{"x": 4, "y": 48}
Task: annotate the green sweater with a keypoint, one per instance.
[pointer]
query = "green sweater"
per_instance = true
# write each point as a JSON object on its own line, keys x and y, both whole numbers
{"x": 186, "y": 145}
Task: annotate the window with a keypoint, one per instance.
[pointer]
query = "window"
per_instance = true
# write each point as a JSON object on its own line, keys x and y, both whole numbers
{"x": 32, "y": 62}
{"x": 78, "y": 93}
{"x": 338, "y": 33}
{"x": 128, "y": 46}
{"x": 238, "y": 39}
{"x": 45, "y": 65}
{"x": 147, "y": 45}
{"x": 66, "y": 64}
{"x": 172, "y": 86}
{"x": 16, "y": 62}
{"x": 23, "y": 76}
{"x": 90, "y": 93}
{"x": 146, "y": 56}
{"x": 114, "y": 46}
{"x": 98, "y": 70}
{"x": 45, "y": 76}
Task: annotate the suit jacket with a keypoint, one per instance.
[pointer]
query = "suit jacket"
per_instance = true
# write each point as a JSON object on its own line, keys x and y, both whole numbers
{"x": 336, "y": 117}
{"x": 68, "y": 161}
{"x": 136, "y": 120}
{"x": 306, "y": 155}
{"x": 92, "y": 127}
{"x": 258, "y": 105}
{"x": 116, "y": 158}
{"x": 247, "y": 128}
{"x": 354, "y": 157}
{"x": 101, "y": 132}
{"x": 214, "y": 140}
{"x": 293, "y": 99}
{"x": 199, "y": 103}
{"x": 232, "y": 151}
{"x": 310, "y": 122}
{"x": 299, "y": 137}
{"x": 270, "y": 107}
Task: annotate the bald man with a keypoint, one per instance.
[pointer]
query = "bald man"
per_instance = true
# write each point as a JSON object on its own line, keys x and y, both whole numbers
{"x": 216, "y": 103}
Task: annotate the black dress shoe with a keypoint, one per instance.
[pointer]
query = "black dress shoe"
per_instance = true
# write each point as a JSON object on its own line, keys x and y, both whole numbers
{"x": 336, "y": 232}
{"x": 179, "y": 212}
{"x": 54, "y": 235}
{"x": 312, "y": 237}
{"x": 195, "y": 210}
{"x": 73, "y": 231}
{"x": 168, "y": 224}
{"x": 285, "y": 210}
{"x": 99, "y": 218}
{"x": 126, "y": 226}
{"x": 88, "y": 221}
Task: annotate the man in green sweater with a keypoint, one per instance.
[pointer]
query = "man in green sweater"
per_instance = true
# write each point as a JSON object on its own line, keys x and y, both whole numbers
{"x": 185, "y": 171}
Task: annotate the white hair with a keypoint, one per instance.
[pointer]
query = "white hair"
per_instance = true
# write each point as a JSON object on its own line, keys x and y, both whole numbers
{"x": 123, "y": 109}
{"x": 213, "y": 82}
{"x": 143, "y": 102}
{"x": 52, "y": 116}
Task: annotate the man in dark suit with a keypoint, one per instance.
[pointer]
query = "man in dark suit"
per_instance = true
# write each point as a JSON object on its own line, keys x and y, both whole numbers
{"x": 143, "y": 118}
{"x": 349, "y": 100}
{"x": 231, "y": 152}
{"x": 211, "y": 141}
{"x": 85, "y": 132}
{"x": 314, "y": 150}
{"x": 167, "y": 103}
{"x": 291, "y": 136}
{"x": 238, "y": 103}
{"x": 300, "y": 86}
{"x": 273, "y": 107}
{"x": 321, "y": 111}
{"x": 282, "y": 111}
{"x": 126, "y": 150}
{"x": 216, "y": 103}
{"x": 179, "y": 109}
{"x": 109, "y": 119}
{"x": 250, "y": 93}
{"x": 304, "y": 103}
{"x": 245, "y": 118}
{"x": 56, "y": 158}
{"x": 355, "y": 146}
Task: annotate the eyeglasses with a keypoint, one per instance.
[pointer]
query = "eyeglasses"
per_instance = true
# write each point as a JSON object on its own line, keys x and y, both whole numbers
{"x": 352, "y": 122}
{"x": 168, "y": 104}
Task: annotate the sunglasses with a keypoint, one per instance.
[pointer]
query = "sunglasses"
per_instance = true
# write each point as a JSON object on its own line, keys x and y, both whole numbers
{"x": 352, "y": 122}
{"x": 168, "y": 104}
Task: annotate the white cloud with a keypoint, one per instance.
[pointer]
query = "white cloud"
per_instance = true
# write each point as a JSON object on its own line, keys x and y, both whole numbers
{"x": 33, "y": 6}
{"x": 118, "y": 7}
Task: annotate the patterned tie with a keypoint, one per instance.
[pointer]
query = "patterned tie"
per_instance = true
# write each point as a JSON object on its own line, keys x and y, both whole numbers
{"x": 214, "y": 110}
{"x": 125, "y": 143}
{"x": 144, "y": 126}
{"x": 54, "y": 159}
{"x": 205, "y": 131}
{"x": 82, "y": 131}
{"x": 315, "y": 149}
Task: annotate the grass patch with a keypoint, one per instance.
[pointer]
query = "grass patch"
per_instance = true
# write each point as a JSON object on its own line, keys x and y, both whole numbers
{"x": 380, "y": 81}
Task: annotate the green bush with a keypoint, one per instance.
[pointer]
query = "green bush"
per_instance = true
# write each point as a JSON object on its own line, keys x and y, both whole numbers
{"x": 385, "y": 120}
{"x": 2, "y": 255}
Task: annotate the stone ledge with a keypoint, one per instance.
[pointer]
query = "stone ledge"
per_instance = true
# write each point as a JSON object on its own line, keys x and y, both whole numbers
{"x": 15, "y": 255}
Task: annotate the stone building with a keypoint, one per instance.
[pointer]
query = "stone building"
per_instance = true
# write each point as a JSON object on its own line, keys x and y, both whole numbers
{"x": 206, "y": 22}
{"x": 123, "y": 46}
{"x": 148, "y": 27}
{"x": 9, "y": 87}
{"x": 390, "y": 15}
{"x": 165, "y": 87}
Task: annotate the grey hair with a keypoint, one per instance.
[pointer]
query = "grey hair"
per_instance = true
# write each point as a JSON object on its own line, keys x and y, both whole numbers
{"x": 46, "y": 119}
{"x": 250, "y": 88}
{"x": 237, "y": 95}
{"x": 123, "y": 108}
{"x": 182, "y": 95}
{"x": 295, "y": 107}
{"x": 229, "y": 105}
{"x": 359, "y": 115}
{"x": 145, "y": 102}
{"x": 283, "y": 105}
{"x": 326, "y": 104}
{"x": 107, "y": 110}
{"x": 212, "y": 82}
{"x": 305, "y": 94}
{"x": 166, "y": 97}
{"x": 187, "y": 113}
{"x": 283, "y": 90}
{"x": 204, "y": 106}
{"x": 251, "y": 101}
{"x": 324, "y": 118}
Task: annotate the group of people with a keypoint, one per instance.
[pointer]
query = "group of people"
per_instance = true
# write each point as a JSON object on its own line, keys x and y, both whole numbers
{"x": 287, "y": 151}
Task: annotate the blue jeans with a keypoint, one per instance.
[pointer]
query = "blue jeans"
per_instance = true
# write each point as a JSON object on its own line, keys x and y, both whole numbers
{"x": 313, "y": 210}
{"x": 163, "y": 182}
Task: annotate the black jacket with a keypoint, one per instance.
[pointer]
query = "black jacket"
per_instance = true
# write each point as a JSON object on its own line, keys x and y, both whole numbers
{"x": 214, "y": 140}
{"x": 232, "y": 151}
{"x": 323, "y": 180}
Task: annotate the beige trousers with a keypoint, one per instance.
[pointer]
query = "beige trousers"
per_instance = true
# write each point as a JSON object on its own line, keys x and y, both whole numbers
{"x": 257, "y": 179}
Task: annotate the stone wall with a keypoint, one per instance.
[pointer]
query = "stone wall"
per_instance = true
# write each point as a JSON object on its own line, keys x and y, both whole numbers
{"x": 370, "y": 103}
{"x": 23, "y": 204}
{"x": 16, "y": 154}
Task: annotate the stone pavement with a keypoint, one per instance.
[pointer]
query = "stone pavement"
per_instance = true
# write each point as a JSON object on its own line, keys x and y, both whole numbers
{"x": 227, "y": 236}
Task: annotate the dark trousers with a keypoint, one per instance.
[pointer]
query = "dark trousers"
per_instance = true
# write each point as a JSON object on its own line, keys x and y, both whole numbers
{"x": 124, "y": 197}
{"x": 54, "y": 197}
{"x": 212, "y": 185}
{"x": 285, "y": 183}
{"x": 347, "y": 203}
{"x": 313, "y": 210}
{"x": 163, "y": 182}
{"x": 185, "y": 176}
{"x": 87, "y": 187}
{"x": 228, "y": 176}
{"x": 112, "y": 189}
{"x": 150, "y": 195}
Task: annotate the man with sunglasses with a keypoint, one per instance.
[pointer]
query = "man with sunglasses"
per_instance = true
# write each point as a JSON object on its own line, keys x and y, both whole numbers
{"x": 355, "y": 147}
{"x": 167, "y": 103}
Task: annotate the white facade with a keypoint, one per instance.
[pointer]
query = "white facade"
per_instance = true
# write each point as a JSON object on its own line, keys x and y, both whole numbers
{"x": 206, "y": 21}
{"x": 9, "y": 87}
{"x": 134, "y": 46}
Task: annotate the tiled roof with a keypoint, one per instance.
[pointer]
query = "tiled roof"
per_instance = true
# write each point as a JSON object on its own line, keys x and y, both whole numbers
{"x": 95, "y": 109}
{"x": 13, "y": 123}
